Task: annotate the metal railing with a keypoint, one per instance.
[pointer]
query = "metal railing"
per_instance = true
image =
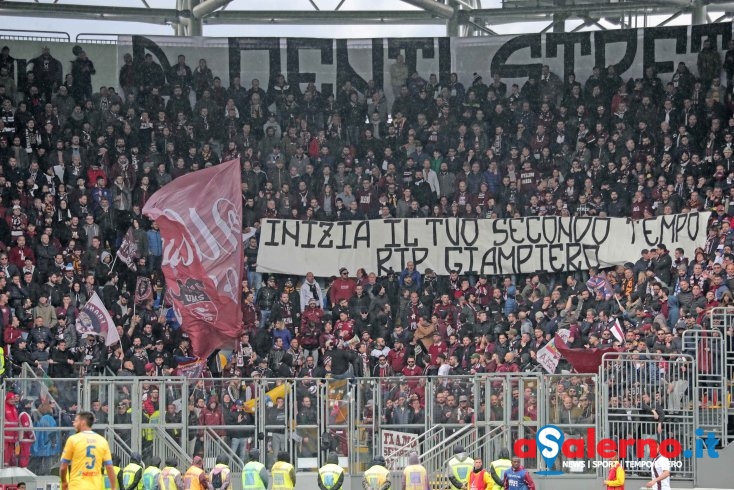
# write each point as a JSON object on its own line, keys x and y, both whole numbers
{"x": 96, "y": 38}
{"x": 435, "y": 457}
{"x": 636, "y": 389}
{"x": 488, "y": 444}
{"x": 351, "y": 418}
{"x": 215, "y": 446}
{"x": 31, "y": 35}
{"x": 118, "y": 447}
{"x": 710, "y": 397}
{"x": 394, "y": 458}
{"x": 722, "y": 319}
{"x": 168, "y": 448}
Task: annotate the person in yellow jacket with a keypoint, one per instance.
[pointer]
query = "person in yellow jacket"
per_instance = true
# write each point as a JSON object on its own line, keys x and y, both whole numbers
{"x": 195, "y": 477}
{"x": 497, "y": 469}
{"x": 2, "y": 363}
{"x": 254, "y": 474}
{"x": 331, "y": 475}
{"x": 170, "y": 477}
{"x": 415, "y": 476}
{"x": 220, "y": 476}
{"x": 459, "y": 467}
{"x": 615, "y": 479}
{"x": 151, "y": 473}
{"x": 283, "y": 473}
{"x": 132, "y": 474}
{"x": 479, "y": 478}
{"x": 118, "y": 474}
{"x": 377, "y": 476}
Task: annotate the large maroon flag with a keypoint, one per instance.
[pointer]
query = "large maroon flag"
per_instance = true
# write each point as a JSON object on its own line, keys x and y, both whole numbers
{"x": 583, "y": 360}
{"x": 200, "y": 218}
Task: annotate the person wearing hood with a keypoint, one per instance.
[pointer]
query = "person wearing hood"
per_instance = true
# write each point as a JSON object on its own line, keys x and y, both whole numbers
{"x": 459, "y": 467}
{"x": 212, "y": 416}
{"x": 510, "y": 301}
{"x": 170, "y": 476}
{"x": 415, "y": 476}
{"x": 377, "y": 476}
{"x": 479, "y": 478}
{"x": 331, "y": 475}
{"x": 498, "y": 467}
{"x": 254, "y": 474}
{"x": 132, "y": 474}
{"x": 103, "y": 269}
{"x": 11, "y": 436}
{"x": 45, "y": 450}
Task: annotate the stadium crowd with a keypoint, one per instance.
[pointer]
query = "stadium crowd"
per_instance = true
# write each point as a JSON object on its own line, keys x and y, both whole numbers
{"x": 78, "y": 164}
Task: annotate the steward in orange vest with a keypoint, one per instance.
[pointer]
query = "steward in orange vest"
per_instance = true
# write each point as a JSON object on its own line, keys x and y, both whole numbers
{"x": 615, "y": 479}
{"x": 479, "y": 478}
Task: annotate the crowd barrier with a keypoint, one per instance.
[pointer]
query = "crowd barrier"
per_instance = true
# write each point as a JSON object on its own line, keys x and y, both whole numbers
{"x": 362, "y": 417}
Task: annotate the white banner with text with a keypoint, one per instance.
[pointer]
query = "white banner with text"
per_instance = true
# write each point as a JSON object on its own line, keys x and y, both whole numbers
{"x": 482, "y": 246}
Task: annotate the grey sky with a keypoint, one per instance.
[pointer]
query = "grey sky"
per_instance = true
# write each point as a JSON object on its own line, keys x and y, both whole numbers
{"x": 75, "y": 27}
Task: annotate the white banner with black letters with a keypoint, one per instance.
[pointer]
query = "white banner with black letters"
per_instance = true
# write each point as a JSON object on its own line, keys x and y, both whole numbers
{"x": 482, "y": 246}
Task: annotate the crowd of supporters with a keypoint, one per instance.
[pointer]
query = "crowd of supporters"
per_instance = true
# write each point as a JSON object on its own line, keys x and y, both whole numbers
{"x": 79, "y": 163}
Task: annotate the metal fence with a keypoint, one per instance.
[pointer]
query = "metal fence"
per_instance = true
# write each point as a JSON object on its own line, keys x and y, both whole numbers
{"x": 650, "y": 397}
{"x": 722, "y": 320}
{"x": 710, "y": 383}
{"x": 309, "y": 417}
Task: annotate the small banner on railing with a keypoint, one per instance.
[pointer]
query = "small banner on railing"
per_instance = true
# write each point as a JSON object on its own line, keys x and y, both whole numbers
{"x": 396, "y": 446}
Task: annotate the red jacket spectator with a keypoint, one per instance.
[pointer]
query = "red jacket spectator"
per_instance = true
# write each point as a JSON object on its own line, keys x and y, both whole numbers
{"x": 20, "y": 252}
{"x": 212, "y": 416}
{"x": 342, "y": 287}
{"x": 396, "y": 358}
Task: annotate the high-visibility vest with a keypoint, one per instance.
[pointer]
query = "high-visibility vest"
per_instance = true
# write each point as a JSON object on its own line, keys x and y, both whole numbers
{"x": 476, "y": 481}
{"x": 500, "y": 467}
{"x": 107, "y": 479}
{"x": 281, "y": 474}
{"x": 128, "y": 475}
{"x": 2, "y": 361}
{"x": 416, "y": 477}
{"x": 329, "y": 474}
{"x": 251, "y": 476}
{"x": 167, "y": 478}
{"x": 150, "y": 478}
{"x": 376, "y": 476}
{"x": 191, "y": 478}
{"x": 221, "y": 469}
{"x": 461, "y": 469}
{"x": 149, "y": 434}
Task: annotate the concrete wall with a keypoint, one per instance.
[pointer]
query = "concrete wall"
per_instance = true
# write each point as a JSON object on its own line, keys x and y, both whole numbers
{"x": 716, "y": 473}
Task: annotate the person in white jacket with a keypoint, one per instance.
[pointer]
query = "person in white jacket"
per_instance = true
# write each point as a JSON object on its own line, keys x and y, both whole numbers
{"x": 311, "y": 289}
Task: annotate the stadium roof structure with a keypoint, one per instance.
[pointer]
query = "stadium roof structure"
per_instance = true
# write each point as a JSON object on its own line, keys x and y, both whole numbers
{"x": 460, "y": 17}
